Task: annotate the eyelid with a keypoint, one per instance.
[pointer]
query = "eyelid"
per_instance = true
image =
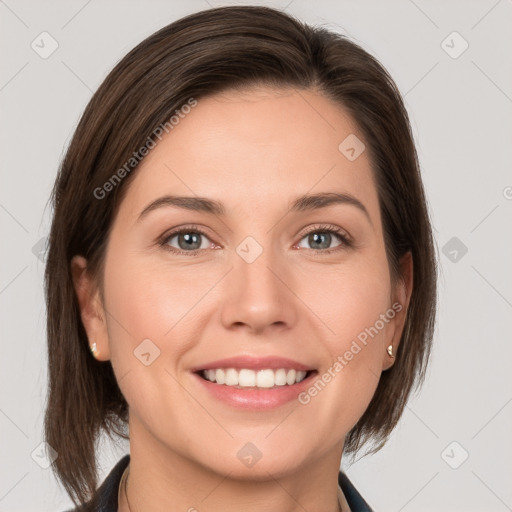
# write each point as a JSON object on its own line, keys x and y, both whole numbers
{"x": 347, "y": 242}
{"x": 344, "y": 236}
{"x": 327, "y": 228}
{"x": 164, "y": 239}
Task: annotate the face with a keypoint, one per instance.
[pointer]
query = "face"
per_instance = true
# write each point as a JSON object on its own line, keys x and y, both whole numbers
{"x": 267, "y": 277}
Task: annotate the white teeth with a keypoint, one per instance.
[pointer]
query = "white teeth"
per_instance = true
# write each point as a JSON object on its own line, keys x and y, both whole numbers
{"x": 290, "y": 377}
{"x": 231, "y": 377}
{"x": 220, "y": 376}
{"x": 280, "y": 377}
{"x": 250, "y": 378}
{"x": 246, "y": 378}
{"x": 265, "y": 379}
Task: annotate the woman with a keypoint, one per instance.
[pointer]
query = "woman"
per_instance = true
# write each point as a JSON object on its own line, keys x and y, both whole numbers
{"x": 240, "y": 271}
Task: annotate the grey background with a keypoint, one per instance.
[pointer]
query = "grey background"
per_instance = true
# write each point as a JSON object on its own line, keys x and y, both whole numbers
{"x": 461, "y": 115}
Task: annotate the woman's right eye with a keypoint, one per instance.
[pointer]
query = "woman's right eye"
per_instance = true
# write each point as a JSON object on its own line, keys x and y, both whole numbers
{"x": 188, "y": 241}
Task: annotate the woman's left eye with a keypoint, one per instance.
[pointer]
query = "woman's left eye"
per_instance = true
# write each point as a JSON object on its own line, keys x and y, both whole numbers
{"x": 190, "y": 243}
{"x": 321, "y": 238}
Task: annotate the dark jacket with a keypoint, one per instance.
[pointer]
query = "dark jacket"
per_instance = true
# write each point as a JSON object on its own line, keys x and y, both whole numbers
{"x": 105, "y": 499}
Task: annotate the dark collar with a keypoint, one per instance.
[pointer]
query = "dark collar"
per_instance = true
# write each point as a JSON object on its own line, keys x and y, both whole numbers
{"x": 105, "y": 499}
{"x": 355, "y": 501}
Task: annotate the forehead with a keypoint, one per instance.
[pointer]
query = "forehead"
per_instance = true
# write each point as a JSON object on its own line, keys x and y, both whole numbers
{"x": 256, "y": 148}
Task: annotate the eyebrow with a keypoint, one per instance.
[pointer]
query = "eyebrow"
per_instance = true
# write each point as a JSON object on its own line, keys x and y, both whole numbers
{"x": 300, "y": 204}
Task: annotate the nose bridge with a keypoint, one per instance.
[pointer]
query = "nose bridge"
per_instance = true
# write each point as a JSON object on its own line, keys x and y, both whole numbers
{"x": 257, "y": 294}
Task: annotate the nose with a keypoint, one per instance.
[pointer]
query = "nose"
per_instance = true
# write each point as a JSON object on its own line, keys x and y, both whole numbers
{"x": 258, "y": 295}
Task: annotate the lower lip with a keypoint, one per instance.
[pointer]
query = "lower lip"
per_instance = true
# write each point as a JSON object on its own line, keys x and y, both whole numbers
{"x": 256, "y": 399}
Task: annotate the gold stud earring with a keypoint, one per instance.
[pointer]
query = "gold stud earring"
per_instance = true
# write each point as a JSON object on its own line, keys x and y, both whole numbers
{"x": 390, "y": 351}
{"x": 94, "y": 350}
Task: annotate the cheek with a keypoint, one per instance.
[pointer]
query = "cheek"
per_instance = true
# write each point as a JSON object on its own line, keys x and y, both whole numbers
{"x": 348, "y": 299}
{"x": 147, "y": 300}
{"x": 355, "y": 308}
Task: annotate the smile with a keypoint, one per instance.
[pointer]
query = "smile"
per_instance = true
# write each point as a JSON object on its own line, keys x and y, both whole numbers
{"x": 247, "y": 378}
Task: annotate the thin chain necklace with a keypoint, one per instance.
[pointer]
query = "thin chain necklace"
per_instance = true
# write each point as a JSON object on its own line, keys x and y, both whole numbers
{"x": 123, "y": 484}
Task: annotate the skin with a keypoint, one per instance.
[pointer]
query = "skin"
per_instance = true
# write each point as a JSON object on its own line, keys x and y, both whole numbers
{"x": 255, "y": 151}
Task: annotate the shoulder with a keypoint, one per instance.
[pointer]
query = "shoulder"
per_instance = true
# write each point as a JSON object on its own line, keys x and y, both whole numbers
{"x": 105, "y": 498}
{"x": 355, "y": 501}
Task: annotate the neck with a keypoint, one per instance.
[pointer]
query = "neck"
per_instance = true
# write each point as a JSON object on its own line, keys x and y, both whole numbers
{"x": 163, "y": 480}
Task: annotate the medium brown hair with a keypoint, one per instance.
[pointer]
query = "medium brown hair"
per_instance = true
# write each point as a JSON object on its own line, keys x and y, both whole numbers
{"x": 194, "y": 57}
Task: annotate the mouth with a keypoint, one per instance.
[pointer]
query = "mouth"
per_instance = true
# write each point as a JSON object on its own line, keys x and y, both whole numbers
{"x": 254, "y": 382}
{"x": 247, "y": 378}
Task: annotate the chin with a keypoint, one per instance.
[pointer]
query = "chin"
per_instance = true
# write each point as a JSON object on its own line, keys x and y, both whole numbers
{"x": 252, "y": 461}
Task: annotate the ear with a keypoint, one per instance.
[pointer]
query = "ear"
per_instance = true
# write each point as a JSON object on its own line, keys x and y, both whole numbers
{"x": 400, "y": 301}
{"x": 91, "y": 308}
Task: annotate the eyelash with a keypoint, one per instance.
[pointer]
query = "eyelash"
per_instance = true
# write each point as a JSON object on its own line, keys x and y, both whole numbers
{"x": 346, "y": 242}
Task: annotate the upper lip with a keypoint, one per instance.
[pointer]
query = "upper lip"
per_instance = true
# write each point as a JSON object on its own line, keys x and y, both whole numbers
{"x": 254, "y": 363}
